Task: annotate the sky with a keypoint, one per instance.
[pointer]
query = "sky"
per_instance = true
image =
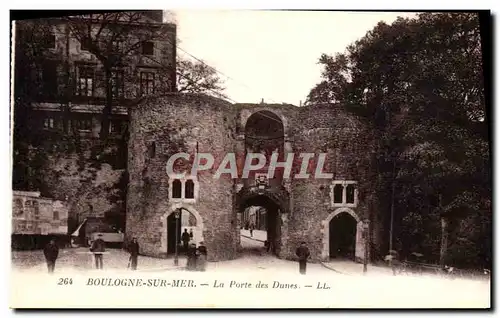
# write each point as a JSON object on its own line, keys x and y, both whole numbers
{"x": 270, "y": 55}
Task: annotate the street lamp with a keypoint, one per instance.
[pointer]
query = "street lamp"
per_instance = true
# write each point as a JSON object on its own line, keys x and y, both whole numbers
{"x": 177, "y": 216}
{"x": 366, "y": 236}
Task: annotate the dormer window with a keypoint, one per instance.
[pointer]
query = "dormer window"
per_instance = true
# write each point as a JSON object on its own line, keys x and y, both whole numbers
{"x": 344, "y": 193}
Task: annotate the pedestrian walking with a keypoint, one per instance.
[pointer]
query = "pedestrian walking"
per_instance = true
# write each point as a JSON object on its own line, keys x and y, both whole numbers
{"x": 191, "y": 235}
{"x": 252, "y": 227}
{"x": 185, "y": 240}
{"x": 303, "y": 254}
{"x": 191, "y": 257}
{"x": 201, "y": 261}
{"x": 51, "y": 251}
{"x": 133, "y": 249}
{"x": 98, "y": 248}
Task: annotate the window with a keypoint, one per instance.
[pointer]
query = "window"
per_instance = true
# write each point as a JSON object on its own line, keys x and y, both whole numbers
{"x": 177, "y": 189}
{"x": 337, "y": 193}
{"x": 147, "y": 83}
{"x": 184, "y": 189}
{"x": 56, "y": 215}
{"x": 85, "y": 45}
{"x": 49, "y": 78}
{"x": 117, "y": 83}
{"x": 48, "y": 123}
{"x": 85, "y": 82}
{"x": 344, "y": 193}
{"x": 36, "y": 210}
{"x": 148, "y": 48}
{"x": 350, "y": 194}
{"x": 116, "y": 127}
{"x": 189, "y": 190}
{"x": 117, "y": 45}
{"x": 18, "y": 208}
{"x": 82, "y": 124}
{"x": 49, "y": 41}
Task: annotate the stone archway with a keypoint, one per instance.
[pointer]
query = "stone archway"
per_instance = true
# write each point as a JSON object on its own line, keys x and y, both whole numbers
{"x": 359, "y": 253}
{"x": 246, "y": 114}
{"x": 275, "y": 227}
{"x": 199, "y": 228}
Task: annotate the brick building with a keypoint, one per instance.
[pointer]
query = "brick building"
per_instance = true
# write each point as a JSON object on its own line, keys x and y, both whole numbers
{"x": 331, "y": 215}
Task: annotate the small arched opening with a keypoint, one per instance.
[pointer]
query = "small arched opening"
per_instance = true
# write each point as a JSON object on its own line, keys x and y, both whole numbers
{"x": 342, "y": 238}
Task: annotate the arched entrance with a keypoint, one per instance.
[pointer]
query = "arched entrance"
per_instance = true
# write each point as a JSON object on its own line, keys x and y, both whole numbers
{"x": 180, "y": 218}
{"x": 264, "y": 214}
{"x": 343, "y": 236}
{"x": 265, "y": 134}
{"x": 342, "y": 239}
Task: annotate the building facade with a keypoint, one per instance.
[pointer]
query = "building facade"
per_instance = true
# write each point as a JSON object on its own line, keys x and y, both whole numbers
{"x": 33, "y": 214}
{"x": 331, "y": 215}
{"x": 61, "y": 92}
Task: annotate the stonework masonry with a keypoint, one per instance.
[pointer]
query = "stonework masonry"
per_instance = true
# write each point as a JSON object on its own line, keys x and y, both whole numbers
{"x": 160, "y": 127}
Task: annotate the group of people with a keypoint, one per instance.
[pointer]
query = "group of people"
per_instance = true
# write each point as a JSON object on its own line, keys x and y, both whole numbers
{"x": 97, "y": 248}
{"x": 196, "y": 256}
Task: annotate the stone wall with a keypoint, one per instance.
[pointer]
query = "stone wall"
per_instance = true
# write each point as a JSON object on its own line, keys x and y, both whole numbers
{"x": 180, "y": 123}
{"x": 190, "y": 123}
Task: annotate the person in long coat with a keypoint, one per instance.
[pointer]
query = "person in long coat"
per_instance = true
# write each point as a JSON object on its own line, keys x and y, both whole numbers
{"x": 303, "y": 254}
{"x": 51, "y": 251}
{"x": 133, "y": 249}
{"x": 185, "y": 238}
{"x": 201, "y": 261}
{"x": 191, "y": 257}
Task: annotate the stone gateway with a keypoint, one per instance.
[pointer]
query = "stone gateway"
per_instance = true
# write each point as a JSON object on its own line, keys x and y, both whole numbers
{"x": 331, "y": 214}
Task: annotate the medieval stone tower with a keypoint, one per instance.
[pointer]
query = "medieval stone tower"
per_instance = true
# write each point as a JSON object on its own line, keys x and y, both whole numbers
{"x": 326, "y": 213}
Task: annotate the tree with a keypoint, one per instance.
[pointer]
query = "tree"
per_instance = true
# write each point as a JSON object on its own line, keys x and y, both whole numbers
{"x": 33, "y": 81}
{"x": 198, "y": 77}
{"x": 418, "y": 83}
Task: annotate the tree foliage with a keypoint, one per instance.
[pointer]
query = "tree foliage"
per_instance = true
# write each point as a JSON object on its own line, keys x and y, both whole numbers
{"x": 198, "y": 77}
{"x": 418, "y": 83}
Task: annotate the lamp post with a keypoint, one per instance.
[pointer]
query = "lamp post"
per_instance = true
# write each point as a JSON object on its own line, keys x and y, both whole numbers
{"x": 366, "y": 236}
{"x": 177, "y": 216}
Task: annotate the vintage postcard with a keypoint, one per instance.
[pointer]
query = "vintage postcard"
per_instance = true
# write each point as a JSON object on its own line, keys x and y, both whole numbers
{"x": 250, "y": 159}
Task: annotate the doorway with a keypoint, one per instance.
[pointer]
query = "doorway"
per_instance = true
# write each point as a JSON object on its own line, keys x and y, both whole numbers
{"x": 262, "y": 215}
{"x": 342, "y": 235}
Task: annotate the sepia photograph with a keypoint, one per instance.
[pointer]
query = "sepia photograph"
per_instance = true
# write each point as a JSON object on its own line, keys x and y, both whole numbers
{"x": 250, "y": 159}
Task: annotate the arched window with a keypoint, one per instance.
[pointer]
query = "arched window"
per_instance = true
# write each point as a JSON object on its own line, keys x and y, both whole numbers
{"x": 350, "y": 193}
{"x": 337, "y": 193}
{"x": 176, "y": 189}
{"x": 189, "y": 189}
